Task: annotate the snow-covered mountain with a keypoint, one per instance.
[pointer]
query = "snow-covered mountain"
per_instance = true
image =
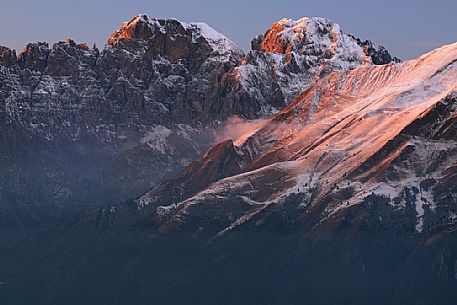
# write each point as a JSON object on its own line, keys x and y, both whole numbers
{"x": 288, "y": 59}
{"x": 342, "y": 190}
{"x": 376, "y": 135}
{"x": 118, "y": 121}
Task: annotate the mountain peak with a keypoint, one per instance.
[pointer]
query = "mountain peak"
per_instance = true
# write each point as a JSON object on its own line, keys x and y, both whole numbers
{"x": 137, "y": 28}
{"x": 218, "y": 41}
{"x": 289, "y": 35}
{"x": 317, "y": 36}
{"x": 143, "y": 27}
{"x": 7, "y": 56}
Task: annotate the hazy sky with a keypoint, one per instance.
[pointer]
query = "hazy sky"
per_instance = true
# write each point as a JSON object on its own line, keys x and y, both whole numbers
{"x": 407, "y": 28}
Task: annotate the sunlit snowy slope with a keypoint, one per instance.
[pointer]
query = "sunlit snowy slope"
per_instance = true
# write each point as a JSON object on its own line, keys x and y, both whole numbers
{"x": 383, "y": 135}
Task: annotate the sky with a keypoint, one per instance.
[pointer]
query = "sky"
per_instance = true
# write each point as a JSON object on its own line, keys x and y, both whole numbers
{"x": 407, "y": 28}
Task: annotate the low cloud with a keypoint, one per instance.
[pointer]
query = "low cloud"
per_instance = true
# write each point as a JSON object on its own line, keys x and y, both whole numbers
{"x": 235, "y": 127}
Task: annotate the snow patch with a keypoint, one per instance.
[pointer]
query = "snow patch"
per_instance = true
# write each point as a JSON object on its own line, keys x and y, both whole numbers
{"x": 156, "y": 138}
{"x": 219, "y": 42}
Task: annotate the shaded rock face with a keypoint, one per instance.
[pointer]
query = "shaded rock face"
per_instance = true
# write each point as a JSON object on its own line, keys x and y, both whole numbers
{"x": 34, "y": 57}
{"x": 152, "y": 72}
{"x": 172, "y": 76}
{"x": 113, "y": 123}
{"x": 7, "y": 56}
{"x": 378, "y": 54}
{"x": 220, "y": 161}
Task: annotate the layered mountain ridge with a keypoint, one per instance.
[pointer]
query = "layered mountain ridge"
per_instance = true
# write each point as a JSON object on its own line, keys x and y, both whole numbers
{"x": 342, "y": 190}
{"x": 374, "y": 134}
{"x": 118, "y": 121}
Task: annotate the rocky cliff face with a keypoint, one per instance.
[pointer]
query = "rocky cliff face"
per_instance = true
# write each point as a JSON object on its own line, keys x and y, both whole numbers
{"x": 125, "y": 116}
{"x": 151, "y": 72}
